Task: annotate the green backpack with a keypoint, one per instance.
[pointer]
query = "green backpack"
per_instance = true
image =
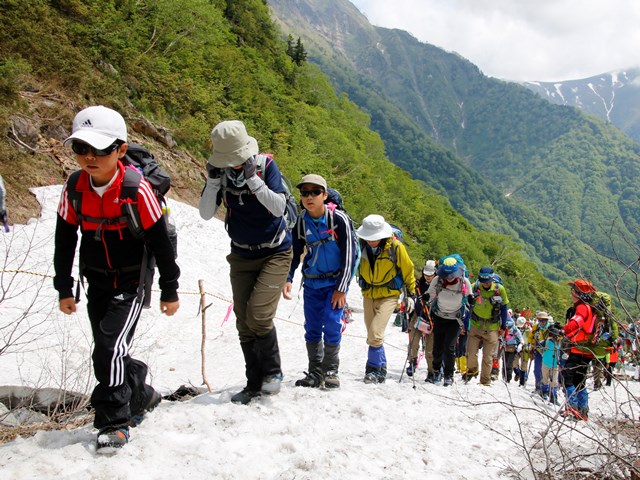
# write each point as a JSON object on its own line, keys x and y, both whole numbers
{"x": 605, "y": 330}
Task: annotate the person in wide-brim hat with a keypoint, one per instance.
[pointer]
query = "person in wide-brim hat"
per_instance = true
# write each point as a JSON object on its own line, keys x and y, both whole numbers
{"x": 232, "y": 145}
{"x": 374, "y": 228}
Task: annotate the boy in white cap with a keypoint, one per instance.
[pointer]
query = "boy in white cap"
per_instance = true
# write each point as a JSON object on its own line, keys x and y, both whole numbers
{"x": 385, "y": 267}
{"x": 111, "y": 259}
{"x": 328, "y": 267}
{"x": 260, "y": 247}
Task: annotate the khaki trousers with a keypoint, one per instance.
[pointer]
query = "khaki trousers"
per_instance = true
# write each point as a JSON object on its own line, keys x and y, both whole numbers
{"x": 489, "y": 340}
{"x": 377, "y": 312}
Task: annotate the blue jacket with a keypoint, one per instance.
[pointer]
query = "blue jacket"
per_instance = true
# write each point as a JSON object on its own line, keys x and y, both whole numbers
{"x": 551, "y": 354}
{"x": 250, "y": 223}
{"x": 331, "y": 255}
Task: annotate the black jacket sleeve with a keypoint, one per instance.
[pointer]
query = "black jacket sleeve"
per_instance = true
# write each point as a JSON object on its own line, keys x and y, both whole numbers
{"x": 158, "y": 241}
{"x": 66, "y": 239}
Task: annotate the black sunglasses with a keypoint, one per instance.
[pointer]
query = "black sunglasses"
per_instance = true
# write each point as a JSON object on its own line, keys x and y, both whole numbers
{"x": 82, "y": 148}
{"x": 313, "y": 193}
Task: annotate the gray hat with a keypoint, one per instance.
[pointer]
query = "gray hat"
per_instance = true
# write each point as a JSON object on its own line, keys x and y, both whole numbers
{"x": 314, "y": 180}
{"x": 374, "y": 228}
{"x": 232, "y": 146}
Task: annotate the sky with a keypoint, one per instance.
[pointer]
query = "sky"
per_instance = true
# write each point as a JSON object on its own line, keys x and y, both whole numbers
{"x": 391, "y": 431}
{"x": 522, "y": 40}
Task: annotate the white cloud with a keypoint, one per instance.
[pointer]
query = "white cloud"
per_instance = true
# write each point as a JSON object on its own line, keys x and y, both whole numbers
{"x": 522, "y": 40}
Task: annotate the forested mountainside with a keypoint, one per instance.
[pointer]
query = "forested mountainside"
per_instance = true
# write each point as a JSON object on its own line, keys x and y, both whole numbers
{"x": 175, "y": 69}
{"x": 508, "y": 160}
{"x": 612, "y": 96}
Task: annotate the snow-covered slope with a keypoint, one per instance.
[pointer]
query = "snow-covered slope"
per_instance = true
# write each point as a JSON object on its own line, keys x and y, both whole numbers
{"x": 390, "y": 431}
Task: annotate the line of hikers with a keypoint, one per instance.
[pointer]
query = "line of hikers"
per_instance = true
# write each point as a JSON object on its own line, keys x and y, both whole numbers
{"x": 125, "y": 231}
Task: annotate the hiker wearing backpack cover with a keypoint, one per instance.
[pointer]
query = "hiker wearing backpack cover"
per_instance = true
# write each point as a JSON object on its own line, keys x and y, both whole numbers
{"x": 111, "y": 260}
{"x": 385, "y": 268}
{"x": 450, "y": 295}
{"x": 580, "y": 320}
{"x": 539, "y": 335}
{"x": 327, "y": 270}
{"x": 488, "y": 322}
{"x": 420, "y": 325}
{"x": 260, "y": 248}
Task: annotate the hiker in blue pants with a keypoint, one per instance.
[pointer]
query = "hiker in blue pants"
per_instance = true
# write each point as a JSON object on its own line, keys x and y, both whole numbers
{"x": 327, "y": 270}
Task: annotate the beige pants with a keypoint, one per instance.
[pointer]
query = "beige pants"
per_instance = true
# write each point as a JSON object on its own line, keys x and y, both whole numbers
{"x": 376, "y": 317}
{"x": 489, "y": 340}
{"x": 415, "y": 336}
{"x": 550, "y": 376}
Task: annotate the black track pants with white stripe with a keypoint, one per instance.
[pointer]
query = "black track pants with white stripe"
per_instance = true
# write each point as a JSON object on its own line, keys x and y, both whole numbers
{"x": 121, "y": 391}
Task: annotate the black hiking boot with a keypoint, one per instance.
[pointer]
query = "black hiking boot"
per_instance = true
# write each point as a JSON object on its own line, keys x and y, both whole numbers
{"x": 429, "y": 378}
{"x": 245, "y": 396}
{"x": 313, "y": 380}
{"x": 412, "y": 367}
{"x": 137, "y": 418}
{"x": 468, "y": 376}
{"x": 448, "y": 381}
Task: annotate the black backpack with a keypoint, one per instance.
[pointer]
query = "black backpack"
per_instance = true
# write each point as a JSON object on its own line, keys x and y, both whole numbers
{"x": 145, "y": 166}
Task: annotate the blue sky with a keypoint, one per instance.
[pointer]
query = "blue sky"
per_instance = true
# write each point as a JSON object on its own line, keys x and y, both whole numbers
{"x": 545, "y": 40}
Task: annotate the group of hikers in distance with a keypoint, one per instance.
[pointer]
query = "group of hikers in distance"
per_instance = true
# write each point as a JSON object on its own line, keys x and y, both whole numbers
{"x": 124, "y": 228}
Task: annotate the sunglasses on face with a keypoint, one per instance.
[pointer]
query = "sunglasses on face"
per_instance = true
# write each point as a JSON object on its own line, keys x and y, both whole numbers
{"x": 82, "y": 148}
{"x": 313, "y": 193}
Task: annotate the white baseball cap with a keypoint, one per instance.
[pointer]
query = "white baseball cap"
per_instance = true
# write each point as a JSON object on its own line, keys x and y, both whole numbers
{"x": 98, "y": 126}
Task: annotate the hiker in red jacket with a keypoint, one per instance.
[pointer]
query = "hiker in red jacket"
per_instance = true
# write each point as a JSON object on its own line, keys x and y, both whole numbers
{"x": 112, "y": 260}
{"x": 574, "y": 373}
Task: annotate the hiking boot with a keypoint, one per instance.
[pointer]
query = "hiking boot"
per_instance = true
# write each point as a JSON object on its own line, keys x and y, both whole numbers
{"x": 597, "y": 385}
{"x": 468, "y": 376}
{"x": 573, "y": 413}
{"x": 245, "y": 396}
{"x": 110, "y": 439}
{"x": 271, "y": 383}
{"x": 437, "y": 378}
{"x": 448, "y": 381}
{"x": 331, "y": 380}
{"x": 374, "y": 377}
{"x": 313, "y": 380}
{"x": 429, "y": 378}
{"x": 137, "y": 418}
{"x": 411, "y": 368}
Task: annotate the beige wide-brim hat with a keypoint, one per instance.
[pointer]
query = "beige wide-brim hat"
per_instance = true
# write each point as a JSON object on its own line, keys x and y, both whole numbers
{"x": 542, "y": 316}
{"x": 374, "y": 228}
{"x": 232, "y": 145}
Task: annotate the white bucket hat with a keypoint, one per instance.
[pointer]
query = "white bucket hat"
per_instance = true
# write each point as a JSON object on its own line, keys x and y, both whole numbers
{"x": 429, "y": 268}
{"x": 374, "y": 228}
{"x": 232, "y": 145}
{"x": 98, "y": 126}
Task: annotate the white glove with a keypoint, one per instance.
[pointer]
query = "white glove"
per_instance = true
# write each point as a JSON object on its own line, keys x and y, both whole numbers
{"x": 519, "y": 348}
{"x": 410, "y": 306}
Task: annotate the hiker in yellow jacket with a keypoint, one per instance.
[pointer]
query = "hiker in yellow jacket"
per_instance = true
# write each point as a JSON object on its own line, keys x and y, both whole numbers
{"x": 384, "y": 269}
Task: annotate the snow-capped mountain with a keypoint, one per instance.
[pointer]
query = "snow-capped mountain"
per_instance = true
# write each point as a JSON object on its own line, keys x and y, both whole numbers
{"x": 613, "y": 96}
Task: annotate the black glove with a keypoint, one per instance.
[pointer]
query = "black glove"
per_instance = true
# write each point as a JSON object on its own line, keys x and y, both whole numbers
{"x": 249, "y": 168}
{"x": 213, "y": 172}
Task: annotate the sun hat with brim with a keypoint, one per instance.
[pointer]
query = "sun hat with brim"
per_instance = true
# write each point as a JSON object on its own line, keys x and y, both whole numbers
{"x": 374, "y": 228}
{"x": 542, "y": 316}
{"x": 232, "y": 145}
{"x": 313, "y": 179}
{"x": 583, "y": 286}
{"x": 485, "y": 275}
{"x": 98, "y": 126}
{"x": 429, "y": 268}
